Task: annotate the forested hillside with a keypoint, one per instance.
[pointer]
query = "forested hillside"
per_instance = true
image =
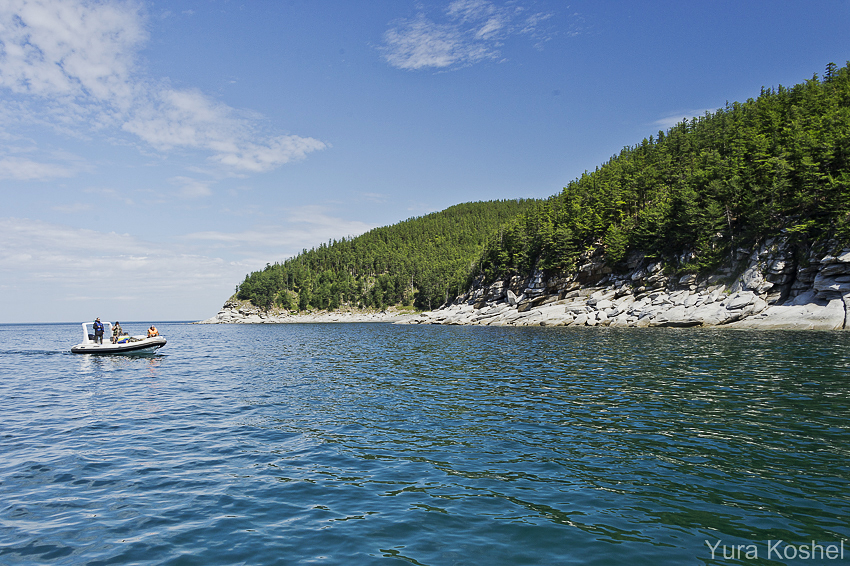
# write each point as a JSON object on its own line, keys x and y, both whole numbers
{"x": 692, "y": 195}
{"x": 697, "y": 192}
{"x": 421, "y": 261}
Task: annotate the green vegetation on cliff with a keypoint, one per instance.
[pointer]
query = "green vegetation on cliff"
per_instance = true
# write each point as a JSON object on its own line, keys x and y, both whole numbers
{"x": 695, "y": 193}
{"x": 703, "y": 188}
{"x": 421, "y": 261}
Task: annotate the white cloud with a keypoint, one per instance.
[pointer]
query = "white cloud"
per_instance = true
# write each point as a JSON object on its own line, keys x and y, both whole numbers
{"x": 72, "y": 208}
{"x": 471, "y": 31}
{"x": 422, "y": 43}
{"x": 47, "y": 269}
{"x": 275, "y": 151}
{"x": 191, "y": 188}
{"x": 73, "y": 62}
{"x": 22, "y": 169}
{"x": 484, "y": 18}
{"x": 51, "y": 272}
{"x": 677, "y": 117}
{"x": 190, "y": 119}
{"x": 39, "y": 250}
{"x": 375, "y": 197}
{"x": 79, "y": 51}
{"x": 111, "y": 194}
{"x": 302, "y": 228}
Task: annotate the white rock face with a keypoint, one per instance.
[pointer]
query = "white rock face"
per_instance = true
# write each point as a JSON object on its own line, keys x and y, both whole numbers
{"x": 772, "y": 292}
{"x": 837, "y": 284}
{"x": 808, "y": 316}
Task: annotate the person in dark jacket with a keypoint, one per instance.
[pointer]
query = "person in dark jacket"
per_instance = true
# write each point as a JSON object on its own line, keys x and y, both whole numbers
{"x": 98, "y": 331}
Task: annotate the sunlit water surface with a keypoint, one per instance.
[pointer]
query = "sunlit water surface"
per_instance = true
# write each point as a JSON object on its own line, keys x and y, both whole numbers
{"x": 387, "y": 444}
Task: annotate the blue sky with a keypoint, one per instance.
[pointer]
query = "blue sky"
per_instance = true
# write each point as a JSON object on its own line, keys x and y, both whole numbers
{"x": 153, "y": 153}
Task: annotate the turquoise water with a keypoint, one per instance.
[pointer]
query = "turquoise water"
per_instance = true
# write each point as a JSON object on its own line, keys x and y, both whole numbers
{"x": 383, "y": 444}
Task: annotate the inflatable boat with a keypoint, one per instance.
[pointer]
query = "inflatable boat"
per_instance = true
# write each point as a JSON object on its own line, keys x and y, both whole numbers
{"x": 125, "y": 345}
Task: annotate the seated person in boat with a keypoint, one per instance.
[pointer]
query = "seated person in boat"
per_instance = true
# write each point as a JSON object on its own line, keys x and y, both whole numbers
{"x": 152, "y": 331}
{"x": 116, "y": 331}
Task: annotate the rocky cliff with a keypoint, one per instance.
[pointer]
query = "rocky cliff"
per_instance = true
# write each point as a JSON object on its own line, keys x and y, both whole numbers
{"x": 770, "y": 287}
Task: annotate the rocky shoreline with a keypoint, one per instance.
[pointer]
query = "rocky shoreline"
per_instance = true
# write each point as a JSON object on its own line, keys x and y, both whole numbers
{"x": 243, "y": 312}
{"x": 773, "y": 290}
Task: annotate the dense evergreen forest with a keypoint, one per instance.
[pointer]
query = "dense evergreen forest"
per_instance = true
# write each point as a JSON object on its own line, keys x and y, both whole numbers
{"x": 702, "y": 189}
{"x": 421, "y": 262}
{"x": 693, "y": 195}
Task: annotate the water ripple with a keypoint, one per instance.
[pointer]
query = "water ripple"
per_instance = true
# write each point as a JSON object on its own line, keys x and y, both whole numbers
{"x": 359, "y": 443}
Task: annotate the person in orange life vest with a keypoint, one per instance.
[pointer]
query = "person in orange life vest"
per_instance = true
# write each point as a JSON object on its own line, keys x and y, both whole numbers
{"x": 152, "y": 331}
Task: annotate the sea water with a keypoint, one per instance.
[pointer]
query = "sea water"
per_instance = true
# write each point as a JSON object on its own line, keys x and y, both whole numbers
{"x": 431, "y": 445}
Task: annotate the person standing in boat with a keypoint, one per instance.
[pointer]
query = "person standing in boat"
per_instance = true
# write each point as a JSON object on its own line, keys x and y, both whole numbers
{"x": 116, "y": 331}
{"x": 98, "y": 330}
{"x": 152, "y": 331}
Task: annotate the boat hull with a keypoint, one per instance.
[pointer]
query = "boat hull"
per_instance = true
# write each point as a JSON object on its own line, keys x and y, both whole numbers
{"x": 146, "y": 346}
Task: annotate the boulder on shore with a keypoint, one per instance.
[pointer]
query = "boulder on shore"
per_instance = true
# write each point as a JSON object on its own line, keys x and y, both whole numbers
{"x": 806, "y": 313}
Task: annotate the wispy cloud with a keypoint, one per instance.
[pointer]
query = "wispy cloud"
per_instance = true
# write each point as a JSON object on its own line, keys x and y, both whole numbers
{"x": 72, "y": 208}
{"x": 191, "y": 188}
{"x": 112, "y": 194}
{"x": 56, "y": 266}
{"x": 23, "y": 169}
{"x": 676, "y": 117}
{"x": 68, "y": 270}
{"x": 39, "y": 251}
{"x": 190, "y": 119}
{"x": 70, "y": 63}
{"x": 464, "y": 33}
{"x": 80, "y": 53}
{"x": 375, "y": 197}
{"x": 301, "y": 228}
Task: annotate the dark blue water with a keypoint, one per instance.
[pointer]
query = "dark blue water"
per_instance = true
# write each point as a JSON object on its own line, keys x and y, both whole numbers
{"x": 382, "y": 444}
